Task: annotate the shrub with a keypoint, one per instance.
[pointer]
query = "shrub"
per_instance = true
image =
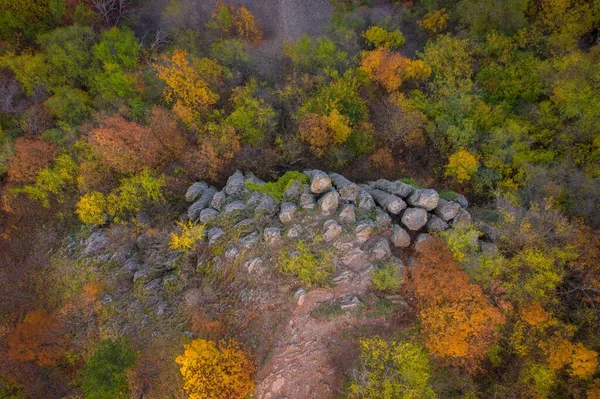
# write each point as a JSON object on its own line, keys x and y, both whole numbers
{"x": 435, "y": 21}
{"x": 133, "y": 193}
{"x": 92, "y": 208}
{"x": 310, "y": 267}
{"x": 277, "y": 188}
{"x": 391, "y": 370}
{"x": 190, "y": 234}
{"x": 462, "y": 240}
{"x": 216, "y": 370}
{"x": 462, "y": 165}
{"x": 380, "y": 37}
{"x": 30, "y": 156}
{"x": 314, "y": 55}
{"x": 387, "y": 278}
{"x": 104, "y": 374}
{"x": 70, "y": 105}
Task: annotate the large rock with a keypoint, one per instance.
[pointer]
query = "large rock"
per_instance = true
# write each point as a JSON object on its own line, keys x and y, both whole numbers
{"x": 436, "y": 224}
{"x": 389, "y": 202}
{"x": 446, "y": 210}
{"x": 293, "y": 192}
{"x": 307, "y": 201}
{"x": 214, "y": 234}
{"x": 249, "y": 241}
{"x": 381, "y": 250}
{"x": 195, "y": 191}
{"x": 235, "y": 206}
{"x": 218, "y": 200}
{"x": 329, "y": 202}
{"x": 397, "y": 188}
{"x": 208, "y": 214}
{"x": 235, "y": 184}
{"x": 202, "y": 203}
{"x": 272, "y": 235}
{"x": 319, "y": 181}
{"x": 424, "y": 198}
{"x": 414, "y": 218}
{"x": 355, "y": 259}
{"x": 251, "y": 177}
{"x": 96, "y": 244}
{"x": 254, "y": 199}
{"x": 462, "y": 201}
{"x": 347, "y": 214}
{"x": 287, "y": 213}
{"x": 382, "y": 219}
{"x": 295, "y": 231}
{"x": 348, "y": 190}
{"x": 267, "y": 206}
{"x": 254, "y": 265}
{"x": 400, "y": 237}
{"x": 331, "y": 230}
{"x": 462, "y": 218}
{"x": 364, "y": 200}
{"x": 364, "y": 231}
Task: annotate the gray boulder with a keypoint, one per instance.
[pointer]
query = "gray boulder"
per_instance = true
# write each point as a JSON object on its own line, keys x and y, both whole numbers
{"x": 347, "y": 214}
{"x": 231, "y": 253}
{"x": 307, "y": 201}
{"x": 424, "y": 198}
{"x": 295, "y": 231}
{"x": 195, "y": 191}
{"x": 293, "y": 192}
{"x": 235, "y": 184}
{"x": 214, "y": 234}
{"x": 348, "y": 190}
{"x": 253, "y": 265}
{"x": 462, "y": 201}
{"x": 96, "y": 244}
{"x": 397, "y": 188}
{"x": 364, "y": 231}
{"x": 267, "y": 206}
{"x": 251, "y": 177}
{"x": 381, "y": 250}
{"x": 436, "y": 224}
{"x": 446, "y": 210}
{"x": 355, "y": 259}
{"x": 463, "y": 217}
{"x": 329, "y": 202}
{"x": 414, "y": 218}
{"x": 272, "y": 235}
{"x": 250, "y": 240}
{"x": 208, "y": 214}
{"x": 202, "y": 203}
{"x": 319, "y": 181}
{"x": 218, "y": 200}
{"x": 382, "y": 219}
{"x": 254, "y": 199}
{"x": 331, "y": 230}
{"x": 287, "y": 213}
{"x": 389, "y": 202}
{"x": 235, "y": 206}
{"x": 364, "y": 200}
{"x": 400, "y": 237}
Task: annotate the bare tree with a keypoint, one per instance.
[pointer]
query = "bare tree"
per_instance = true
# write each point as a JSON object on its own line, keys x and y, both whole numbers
{"x": 112, "y": 11}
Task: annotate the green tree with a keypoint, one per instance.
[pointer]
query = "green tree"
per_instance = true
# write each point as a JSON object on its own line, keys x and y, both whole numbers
{"x": 484, "y": 16}
{"x": 104, "y": 374}
{"x": 117, "y": 46}
{"x": 69, "y": 105}
{"x": 315, "y": 55}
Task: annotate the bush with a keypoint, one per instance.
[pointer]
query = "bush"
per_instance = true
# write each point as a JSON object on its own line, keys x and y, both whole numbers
{"x": 462, "y": 165}
{"x": 190, "y": 234}
{"x": 30, "y": 156}
{"x": 387, "y": 278}
{"x": 309, "y": 267}
{"x": 133, "y": 193}
{"x": 104, "y": 374}
{"x": 380, "y": 37}
{"x": 91, "y": 208}
{"x": 216, "y": 370}
{"x": 391, "y": 370}
{"x": 277, "y": 188}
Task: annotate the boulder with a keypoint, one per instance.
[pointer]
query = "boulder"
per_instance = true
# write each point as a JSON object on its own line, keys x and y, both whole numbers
{"x": 254, "y": 199}
{"x": 396, "y": 188}
{"x": 463, "y": 217}
{"x": 208, "y": 214}
{"x": 424, "y": 198}
{"x": 446, "y": 210}
{"x": 462, "y": 201}
{"x": 195, "y": 191}
{"x": 400, "y": 237}
{"x": 414, "y": 218}
{"x": 249, "y": 241}
{"x": 436, "y": 224}
{"x": 348, "y": 190}
{"x": 287, "y": 213}
{"x": 383, "y": 219}
{"x": 251, "y": 177}
{"x": 364, "y": 231}
{"x": 293, "y": 192}
{"x": 253, "y": 265}
{"x": 355, "y": 259}
{"x": 347, "y": 214}
{"x": 231, "y": 253}
{"x": 214, "y": 234}
{"x": 364, "y": 200}
{"x": 272, "y": 235}
{"x": 267, "y": 206}
{"x": 299, "y": 296}
{"x": 307, "y": 201}
{"x": 96, "y": 244}
{"x": 331, "y": 230}
{"x": 381, "y": 250}
{"x": 389, "y": 202}
{"x": 202, "y": 203}
{"x": 235, "y": 184}
{"x": 329, "y": 202}
{"x": 319, "y": 181}
{"x": 218, "y": 200}
{"x": 295, "y": 231}
{"x": 235, "y": 206}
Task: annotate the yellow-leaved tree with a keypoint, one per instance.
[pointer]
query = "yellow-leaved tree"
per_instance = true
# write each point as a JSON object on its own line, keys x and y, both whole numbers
{"x": 216, "y": 370}
{"x": 462, "y": 165}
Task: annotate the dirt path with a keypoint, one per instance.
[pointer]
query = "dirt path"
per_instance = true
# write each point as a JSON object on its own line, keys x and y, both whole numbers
{"x": 303, "y": 363}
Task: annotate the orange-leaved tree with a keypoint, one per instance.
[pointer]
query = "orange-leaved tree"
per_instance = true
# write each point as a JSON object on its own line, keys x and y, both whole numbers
{"x": 390, "y": 69}
{"x": 128, "y": 147}
{"x": 31, "y": 156}
{"x": 458, "y": 322}
{"x": 40, "y": 337}
{"x": 216, "y": 370}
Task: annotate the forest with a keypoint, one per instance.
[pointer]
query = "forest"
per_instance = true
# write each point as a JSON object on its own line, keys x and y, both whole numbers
{"x": 151, "y": 151}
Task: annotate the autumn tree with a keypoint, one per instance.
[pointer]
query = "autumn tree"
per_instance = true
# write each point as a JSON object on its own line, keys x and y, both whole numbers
{"x": 399, "y": 122}
{"x": 189, "y": 82}
{"x": 216, "y": 370}
{"x": 462, "y": 165}
{"x": 232, "y": 21}
{"x": 30, "y": 156}
{"x": 40, "y": 338}
{"x": 128, "y": 147}
{"x": 315, "y": 55}
{"x": 391, "y": 69}
{"x": 381, "y": 37}
{"x": 458, "y": 322}
{"x": 435, "y": 21}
